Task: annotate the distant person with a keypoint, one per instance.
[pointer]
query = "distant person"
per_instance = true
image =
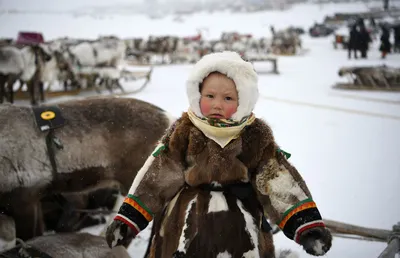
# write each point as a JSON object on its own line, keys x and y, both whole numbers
{"x": 364, "y": 40}
{"x": 353, "y": 41}
{"x": 360, "y": 22}
{"x": 385, "y": 46}
{"x": 372, "y": 22}
{"x": 396, "y": 32}
{"x": 272, "y": 28}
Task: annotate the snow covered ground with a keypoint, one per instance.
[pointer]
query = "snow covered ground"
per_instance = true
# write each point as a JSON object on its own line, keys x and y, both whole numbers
{"x": 346, "y": 144}
{"x": 91, "y": 26}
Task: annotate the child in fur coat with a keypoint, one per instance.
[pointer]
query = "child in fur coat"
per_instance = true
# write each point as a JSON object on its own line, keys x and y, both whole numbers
{"x": 193, "y": 182}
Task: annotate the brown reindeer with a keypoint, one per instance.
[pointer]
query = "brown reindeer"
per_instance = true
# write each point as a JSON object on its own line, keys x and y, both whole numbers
{"x": 103, "y": 143}
{"x": 70, "y": 212}
{"x": 55, "y": 245}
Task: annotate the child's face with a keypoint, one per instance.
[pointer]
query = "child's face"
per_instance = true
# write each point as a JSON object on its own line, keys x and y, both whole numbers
{"x": 219, "y": 98}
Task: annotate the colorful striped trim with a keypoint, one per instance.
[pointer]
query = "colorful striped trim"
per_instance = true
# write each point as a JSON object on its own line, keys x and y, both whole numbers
{"x": 128, "y": 222}
{"x": 298, "y": 219}
{"x": 134, "y": 215}
{"x": 302, "y": 228}
{"x": 159, "y": 148}
{"x": 300, "y": 206}
{"x": 158, "y": 151}
{"x": 139, "y": 206}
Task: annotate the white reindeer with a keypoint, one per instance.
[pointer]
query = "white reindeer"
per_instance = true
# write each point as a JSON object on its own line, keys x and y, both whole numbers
{"x": 103, "y": 52}
{"x": 25, "y": 64}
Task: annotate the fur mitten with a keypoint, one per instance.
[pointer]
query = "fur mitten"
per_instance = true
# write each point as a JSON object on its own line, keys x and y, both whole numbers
{"x": 316, "y": 241}
{"x": 119, "y": 233}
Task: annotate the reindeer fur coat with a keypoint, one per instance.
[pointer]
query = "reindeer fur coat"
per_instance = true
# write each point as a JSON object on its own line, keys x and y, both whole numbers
{"x": 200, "y": 221}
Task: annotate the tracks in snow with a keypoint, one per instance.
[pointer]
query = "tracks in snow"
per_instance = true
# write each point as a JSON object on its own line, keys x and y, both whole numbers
{"x": 370, "y": 99}
{"x": 334, "y": 108}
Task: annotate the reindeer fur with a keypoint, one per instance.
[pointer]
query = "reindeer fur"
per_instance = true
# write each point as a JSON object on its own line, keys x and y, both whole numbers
{"x": 106, "y": 141}
{"x": 60, "y": 245}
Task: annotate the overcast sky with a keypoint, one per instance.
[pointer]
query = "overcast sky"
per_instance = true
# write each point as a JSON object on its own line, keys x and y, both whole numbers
{"x": 60, "y": 4}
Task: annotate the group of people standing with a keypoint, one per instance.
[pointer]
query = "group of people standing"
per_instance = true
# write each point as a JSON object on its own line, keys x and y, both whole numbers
{"x": 360, "y": 38}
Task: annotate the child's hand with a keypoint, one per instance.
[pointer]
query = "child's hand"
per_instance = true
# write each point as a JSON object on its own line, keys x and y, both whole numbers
{"x": 118, "y": 233}
{"x": 316, "y": 241}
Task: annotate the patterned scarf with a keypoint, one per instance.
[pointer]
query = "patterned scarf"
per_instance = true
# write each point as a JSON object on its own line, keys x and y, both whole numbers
{"x": 221, "y": 131}
{"x": 224, "y": 122}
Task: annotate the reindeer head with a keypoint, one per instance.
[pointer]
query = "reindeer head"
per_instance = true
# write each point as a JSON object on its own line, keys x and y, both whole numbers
{"x": 41, "y": 52}
{"x": 62, "y": 62}
{"x": 70, "y": 57}
{"x": 344, "y": 70}
{"x": 65, "y": 62}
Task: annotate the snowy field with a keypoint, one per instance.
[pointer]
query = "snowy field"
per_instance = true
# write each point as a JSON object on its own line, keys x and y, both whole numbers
{"x": 91, "y": 25}
{"x": 346, "y": 144}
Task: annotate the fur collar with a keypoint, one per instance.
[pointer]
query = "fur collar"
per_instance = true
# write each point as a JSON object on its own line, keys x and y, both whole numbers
{"x": 204, "y": 161}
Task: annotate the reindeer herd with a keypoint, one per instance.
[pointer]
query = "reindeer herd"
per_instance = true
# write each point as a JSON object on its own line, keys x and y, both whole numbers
{"x": 71, "y": 63}
{"x": 96, "y": 64}
{"x": 171, "y": 49}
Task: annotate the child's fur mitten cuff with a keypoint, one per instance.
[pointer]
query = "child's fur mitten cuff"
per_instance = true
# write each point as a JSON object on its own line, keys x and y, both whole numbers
{"x": 316, "y": 241}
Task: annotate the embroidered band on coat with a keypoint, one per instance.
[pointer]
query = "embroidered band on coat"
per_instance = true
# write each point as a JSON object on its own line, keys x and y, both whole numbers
{"x": 294, "y": 220}
{"x": 134, "y": 213}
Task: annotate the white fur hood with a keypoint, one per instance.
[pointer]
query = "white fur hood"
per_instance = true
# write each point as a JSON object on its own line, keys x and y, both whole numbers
{"x": 233, "y": 66}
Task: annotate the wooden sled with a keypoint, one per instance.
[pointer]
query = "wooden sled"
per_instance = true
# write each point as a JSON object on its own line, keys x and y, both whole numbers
{"x": 350, "y": 86}
{"x": 261, "y": 70}
{"x": 135, "y": 63}
{"x": 125, "y": 74}
{"x": 376, "y": 78}
{"x": 298, "y": 52}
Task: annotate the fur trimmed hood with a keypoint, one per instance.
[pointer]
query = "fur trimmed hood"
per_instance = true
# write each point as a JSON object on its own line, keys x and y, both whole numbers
{"x": 233, "y": 66}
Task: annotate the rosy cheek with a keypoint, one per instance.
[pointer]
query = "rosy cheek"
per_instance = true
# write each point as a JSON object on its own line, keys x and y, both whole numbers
{"x": 205, "y": 107}
{"x": 230, "y": 110}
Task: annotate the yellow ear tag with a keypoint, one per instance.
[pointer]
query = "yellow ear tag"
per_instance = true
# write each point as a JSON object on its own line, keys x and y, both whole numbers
{"x": 47, "y": 115}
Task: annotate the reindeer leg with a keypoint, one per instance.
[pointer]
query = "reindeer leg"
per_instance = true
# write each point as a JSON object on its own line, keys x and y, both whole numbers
{"x": 36, "y": 92}
{"x": 65, "y": 84}
{"x": 98, "y": 86}
{"x": 70, "y": 220}
{"x": 9, "y": 82}
{"x": 109, "y": 85}
{"x": 28, "y": 216}
{"x": 41, "y": 91}
{"x": 119, "y": 85}
{"x": 33, "y": 88}
{"x": 31, "y": 91}
{"x": 11, "y": 91}
{"x": 2, "y": 87}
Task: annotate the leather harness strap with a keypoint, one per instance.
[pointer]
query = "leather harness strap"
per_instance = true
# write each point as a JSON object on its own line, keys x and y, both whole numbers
{"x": 49, "y": 118}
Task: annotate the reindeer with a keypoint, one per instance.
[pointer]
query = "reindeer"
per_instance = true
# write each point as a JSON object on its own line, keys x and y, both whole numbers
{"x": 25, "y": 64}
{"x": 55, "y": 245}
{"x": 104, "y": 52}
{"x": 104, "y": 142}
{"x": 58, "y": 69}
